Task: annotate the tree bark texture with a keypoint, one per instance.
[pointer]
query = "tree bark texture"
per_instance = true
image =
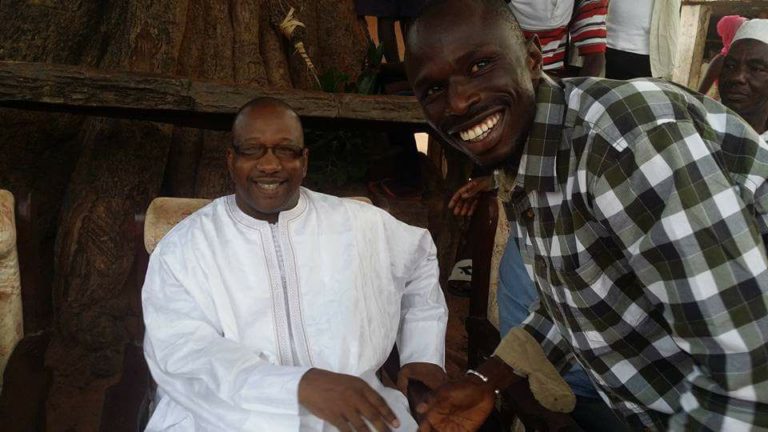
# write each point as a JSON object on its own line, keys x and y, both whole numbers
{"x": 90, "y": 176}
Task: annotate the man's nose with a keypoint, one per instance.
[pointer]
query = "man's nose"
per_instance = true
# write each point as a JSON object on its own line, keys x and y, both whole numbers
{"x": 269, "y": 163}
{"x": 461, "y": 96}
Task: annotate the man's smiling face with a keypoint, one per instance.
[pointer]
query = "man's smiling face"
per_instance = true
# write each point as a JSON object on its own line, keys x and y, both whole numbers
{"x": 268, "y": 183}
{"x": 475, "y": 78}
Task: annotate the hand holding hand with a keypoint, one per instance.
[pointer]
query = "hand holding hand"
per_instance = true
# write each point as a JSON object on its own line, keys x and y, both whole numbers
{"x": 459, "y": 406}
{"x": 344, "y": 401}
{"x": 464, "y": 201}
{"x": 430, "y": 374}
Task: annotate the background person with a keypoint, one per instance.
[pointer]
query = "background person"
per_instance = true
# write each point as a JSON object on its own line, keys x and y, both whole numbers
{"x": 642, "y": 38}
{"x": 744, "y": 75}
{"x": 559, "y": 22}
{"x": 726, "y": 28}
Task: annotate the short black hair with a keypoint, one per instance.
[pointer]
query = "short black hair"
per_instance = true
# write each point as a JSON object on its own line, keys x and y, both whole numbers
{"x": 262, "y": 102}
{"x": 265, "y": 101}
{"x": 498, "y": 8}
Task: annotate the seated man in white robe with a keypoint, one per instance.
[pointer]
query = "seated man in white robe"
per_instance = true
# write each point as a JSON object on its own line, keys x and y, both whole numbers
{"x": 273, "y": 309}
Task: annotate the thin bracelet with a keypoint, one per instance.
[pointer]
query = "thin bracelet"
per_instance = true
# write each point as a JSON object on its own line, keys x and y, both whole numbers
{"x": 481, "y": 376}
{"x": 495, "y": 177}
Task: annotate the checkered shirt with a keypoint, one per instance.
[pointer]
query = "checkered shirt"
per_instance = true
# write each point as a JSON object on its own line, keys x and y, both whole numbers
{"x": 639, "y": 207}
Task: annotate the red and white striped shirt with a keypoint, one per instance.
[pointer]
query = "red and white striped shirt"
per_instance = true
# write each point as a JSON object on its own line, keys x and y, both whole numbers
{"x": 553, "y": 21}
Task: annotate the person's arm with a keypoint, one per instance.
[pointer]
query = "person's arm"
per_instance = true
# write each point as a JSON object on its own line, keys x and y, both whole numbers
{"x": 588, "y": 33}
{"x": 424, "y": 314}
{"x": 697, "y": 250}
{"x": 541, "y": 327}
{"x": 592, "y": 64}
{"x": 227, "y": 384}
{"x": 713, "y": 72}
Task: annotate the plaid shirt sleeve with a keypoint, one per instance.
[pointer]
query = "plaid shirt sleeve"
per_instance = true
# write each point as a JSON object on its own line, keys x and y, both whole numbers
{"x": 588, "y": 29}
{"x": 539, "y": 325}
{"x": 690, "y": 234}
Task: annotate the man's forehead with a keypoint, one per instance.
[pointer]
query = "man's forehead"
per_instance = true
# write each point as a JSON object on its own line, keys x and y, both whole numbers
{"x": 468, "y": 31}
{"x": 750, "y": 44}
{"x": 750, "y": 47}
{"x": 431, "y": 44}
{"x": 266, "y": 115}
{"x": 267, "y": 122}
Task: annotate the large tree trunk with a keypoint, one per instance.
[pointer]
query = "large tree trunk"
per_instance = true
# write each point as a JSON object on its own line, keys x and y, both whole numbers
{"x": 90, "y": 176}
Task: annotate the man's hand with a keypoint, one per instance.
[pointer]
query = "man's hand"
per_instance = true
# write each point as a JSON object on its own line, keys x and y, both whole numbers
{"x": 464, "y": 201}
{"x": 430, "y": 374}
{"x": 459, "y": 406}
{"x": 593, "y": 64}
{"x": 344, "y": 401}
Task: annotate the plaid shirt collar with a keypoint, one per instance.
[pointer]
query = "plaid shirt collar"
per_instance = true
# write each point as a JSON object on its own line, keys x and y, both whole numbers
{"x": 544, "y": 163}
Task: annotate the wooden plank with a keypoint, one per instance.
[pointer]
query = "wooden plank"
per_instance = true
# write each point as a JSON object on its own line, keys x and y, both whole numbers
{"x": 65, "y": 88}
{"x": 727, "y": 2}
{"x": 732, "y": 7}
{"x": 694, "y": 22}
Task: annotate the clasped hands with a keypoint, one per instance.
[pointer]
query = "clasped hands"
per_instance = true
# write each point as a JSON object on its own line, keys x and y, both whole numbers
{"x": 350, "y": 404}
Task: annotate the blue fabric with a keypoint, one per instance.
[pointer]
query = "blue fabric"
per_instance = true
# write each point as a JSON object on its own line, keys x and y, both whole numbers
{"x": 515, "y": 296}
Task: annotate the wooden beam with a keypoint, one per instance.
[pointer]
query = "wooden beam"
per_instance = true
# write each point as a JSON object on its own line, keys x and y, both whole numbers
{"x": 726, "y": 2}
{"x": 134, "y": 95}
{"x": 731, "y": 7}
{"x": 694, "y": 22}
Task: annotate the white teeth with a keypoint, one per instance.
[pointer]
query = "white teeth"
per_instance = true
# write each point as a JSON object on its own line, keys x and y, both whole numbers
{"x": 268, "y": 186}
{"x": 480, "y": 130}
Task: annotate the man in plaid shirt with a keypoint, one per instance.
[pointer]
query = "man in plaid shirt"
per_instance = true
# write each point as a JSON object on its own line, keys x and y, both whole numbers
{"x": 639, "y": 207}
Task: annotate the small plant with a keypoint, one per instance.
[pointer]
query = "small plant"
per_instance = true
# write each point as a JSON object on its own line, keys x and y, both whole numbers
{"x": 368, "y": 81}
{"x": 334, "y": 81}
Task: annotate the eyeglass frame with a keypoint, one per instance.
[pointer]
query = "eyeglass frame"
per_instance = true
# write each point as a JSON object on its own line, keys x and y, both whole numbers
{"x": 296, "y": 152}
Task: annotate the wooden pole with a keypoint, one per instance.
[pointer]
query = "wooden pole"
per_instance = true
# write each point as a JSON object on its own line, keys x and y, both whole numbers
{"x": 694, "y": 21}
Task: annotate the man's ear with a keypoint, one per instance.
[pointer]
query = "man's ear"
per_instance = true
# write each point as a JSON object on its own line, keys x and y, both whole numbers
{"x": 534, "y": 59}
{"x": 306, "y": 161}
{"x": 231, "y": 162}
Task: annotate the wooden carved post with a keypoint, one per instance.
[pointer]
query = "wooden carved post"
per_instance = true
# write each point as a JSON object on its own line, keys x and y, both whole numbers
{"x": 11, "y": 330}
{"x": 694, "y": 21}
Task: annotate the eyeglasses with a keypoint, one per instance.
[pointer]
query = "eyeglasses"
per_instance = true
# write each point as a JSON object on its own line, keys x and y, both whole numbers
{"x": 283, "y": 152}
